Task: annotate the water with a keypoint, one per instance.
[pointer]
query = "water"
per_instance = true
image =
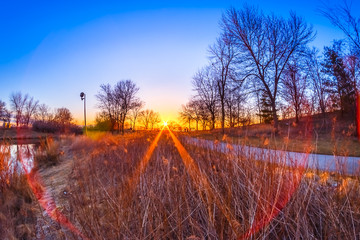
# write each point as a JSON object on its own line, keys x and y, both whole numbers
{"x": 19, "y": 157}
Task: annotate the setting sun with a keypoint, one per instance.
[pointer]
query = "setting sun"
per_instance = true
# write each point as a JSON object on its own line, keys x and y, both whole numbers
{"x": 165, "y": 123}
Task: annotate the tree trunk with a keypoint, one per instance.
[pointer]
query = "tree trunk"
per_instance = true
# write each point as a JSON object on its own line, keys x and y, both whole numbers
{"x": 222, "y": 116}
{"x": 276, "y": 120}
{"x": 296, "y": 114}
{"x": 212, "y": 121}
{"x": 357, "y": 115}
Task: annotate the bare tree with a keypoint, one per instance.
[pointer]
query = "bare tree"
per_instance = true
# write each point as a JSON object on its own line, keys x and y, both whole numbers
{"x": 205, "y": 85}
{"x": 3, "y": 112}
{"x": 18, "y": 103}
{"x": 107, "y": 104}
{"x": 318, "y": 79}
{"x": 149, "y": 118}
{"x": 234, "y": 100}
{"x": 30, "y": 110}
{"x": 63, "y": 116}
{"x": 154, "y": 119}
{"x": 265, "y": 45}
{"x": 125, "y": 96}
{"x": 186, "y": 114}
{"x": 135, "y": 110}
{"x": 43, "y": 113}
{"x": 197, "y": 109}
{"x": 6, "y": 118}
{"x": 2, "y": 109}
{"x": 222, "y": 56}
{"x": 145, "y": 118}
{"x": 294, "y": 85}
{"x": 117, "y": 102}
{"x": 341, "y": 17}
{"x": 339, "y": 82}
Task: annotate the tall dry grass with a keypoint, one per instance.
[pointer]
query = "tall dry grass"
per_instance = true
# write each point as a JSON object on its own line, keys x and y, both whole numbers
{"x": 17, "y": 213}
{"x": 114, "y": 194}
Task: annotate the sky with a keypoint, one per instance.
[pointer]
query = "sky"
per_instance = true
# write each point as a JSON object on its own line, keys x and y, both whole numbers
{"x": 53, "y": 50}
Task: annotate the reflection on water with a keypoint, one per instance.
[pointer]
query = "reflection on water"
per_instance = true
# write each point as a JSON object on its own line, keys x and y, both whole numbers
{"x": 20, "y": 156}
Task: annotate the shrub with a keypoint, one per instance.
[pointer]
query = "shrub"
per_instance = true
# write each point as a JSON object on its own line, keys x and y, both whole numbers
{"x": 48, "y": 154}
{"x": 56, "y": 127}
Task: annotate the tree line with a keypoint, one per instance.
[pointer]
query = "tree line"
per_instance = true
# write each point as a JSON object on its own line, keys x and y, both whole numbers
{"x": 261, "y": 66}
{"x": 26, "y": 112}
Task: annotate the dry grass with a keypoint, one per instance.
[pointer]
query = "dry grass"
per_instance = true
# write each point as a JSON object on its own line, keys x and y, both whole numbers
{"x": 47, "y": 154}
{"x": 333, "y": 135}
{"x": 216, "y": 196}
{"x": 112, "y": 187}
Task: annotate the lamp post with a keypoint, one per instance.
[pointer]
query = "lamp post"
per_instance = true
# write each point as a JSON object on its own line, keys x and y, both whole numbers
{"x": 83, "y": 97}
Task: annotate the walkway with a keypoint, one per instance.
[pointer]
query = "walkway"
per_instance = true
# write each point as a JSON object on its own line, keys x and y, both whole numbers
{"x": 341, "y": 164}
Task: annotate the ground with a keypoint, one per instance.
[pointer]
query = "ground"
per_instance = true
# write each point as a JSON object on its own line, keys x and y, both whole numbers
{"x": 154, "y": 185}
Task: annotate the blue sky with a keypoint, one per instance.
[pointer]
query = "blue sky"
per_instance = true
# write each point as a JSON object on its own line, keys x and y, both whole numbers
{"x": 53, "y": 51}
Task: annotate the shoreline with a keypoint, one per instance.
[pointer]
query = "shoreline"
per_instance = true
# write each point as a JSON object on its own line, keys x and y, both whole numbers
{"x": 23, "y": 136}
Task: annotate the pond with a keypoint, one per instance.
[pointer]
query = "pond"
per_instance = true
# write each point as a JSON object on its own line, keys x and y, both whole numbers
{"x": 19, "y": 157}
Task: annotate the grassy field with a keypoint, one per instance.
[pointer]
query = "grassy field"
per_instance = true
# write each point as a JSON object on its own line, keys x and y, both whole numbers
{"x": 334, "y": 135}
{"x": 151, "y": 185}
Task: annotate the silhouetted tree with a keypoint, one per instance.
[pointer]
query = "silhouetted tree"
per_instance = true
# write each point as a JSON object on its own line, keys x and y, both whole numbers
{"x": 117, "y": 102}
{"x": 318, "y": 80}
{"x": 30, "y": 110}
{"x": 186, "y": 114}
{"x": 18, "y": 103}
{"x": 234, "y": 100}
{"x": 339, "y": 82}
{"x": 266, "y": 108}
{"x": 205, "y": 84}
{"x": 2, "y": 109}
{"x": 135, "y": 110}
{"x": 149, "y": 118}
{"x": 125, "y": 96}
{"x": 43, "y": 113}
{"x": 63, "y": 116}
{"x": 107, "y": 104}
{"x": 5, "y": 114}
{"x": 294, "y": 85}
{"x": 341, "y": 17}
{"x": 154, "y": 119}
{"x": 6, "y": 117}
{"x": 265, "y": 45}
{"x": 197, "y": 109}
{"x": 222, "y": 56}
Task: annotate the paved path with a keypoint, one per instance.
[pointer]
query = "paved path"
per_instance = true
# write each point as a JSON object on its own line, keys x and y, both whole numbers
{"x": 342, "y": 164}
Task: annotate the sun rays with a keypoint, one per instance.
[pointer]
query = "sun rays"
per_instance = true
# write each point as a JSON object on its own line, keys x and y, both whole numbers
{"x": 269, "y": 204}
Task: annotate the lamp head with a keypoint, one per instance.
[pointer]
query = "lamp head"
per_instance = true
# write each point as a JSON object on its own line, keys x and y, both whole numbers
{"x": 82, "y": 95}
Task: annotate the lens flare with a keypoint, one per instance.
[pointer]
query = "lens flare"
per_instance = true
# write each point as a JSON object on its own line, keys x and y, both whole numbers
{"x": 358, "y": 114}
{"x": 134, "y": 179}
{"x": 46, "y": 201}
{"x": 201, "y": 180}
